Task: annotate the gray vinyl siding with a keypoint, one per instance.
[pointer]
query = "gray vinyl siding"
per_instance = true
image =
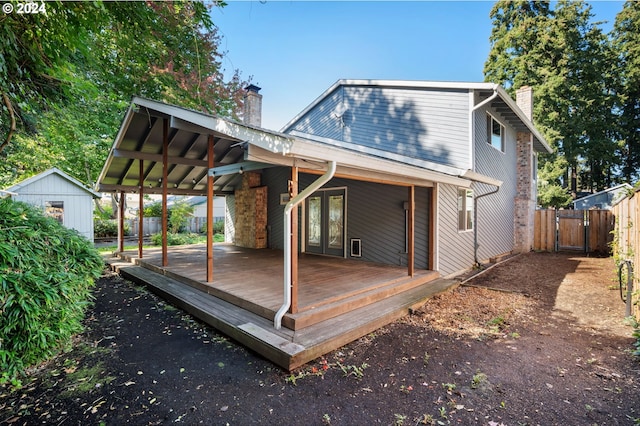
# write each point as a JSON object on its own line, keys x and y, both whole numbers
{"x": 375, "y": 214}
{"x": 426, "y": 124}
{"x": 496, "y": 211}
{"x": 456, "y": 248}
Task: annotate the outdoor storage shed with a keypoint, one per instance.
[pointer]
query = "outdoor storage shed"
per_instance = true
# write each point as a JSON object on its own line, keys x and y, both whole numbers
{"x": 61, "y": 197}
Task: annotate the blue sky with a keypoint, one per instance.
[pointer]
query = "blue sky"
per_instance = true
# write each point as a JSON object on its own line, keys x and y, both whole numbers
{"x": 295, "y": 50}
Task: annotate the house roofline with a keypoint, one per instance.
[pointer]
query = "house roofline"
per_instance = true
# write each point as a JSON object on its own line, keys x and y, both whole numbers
{"x": 408, "y": 84}
{"x": 425, "y": 84}
{"x": 524, "y": 119}
{"x": 604, "y": 191}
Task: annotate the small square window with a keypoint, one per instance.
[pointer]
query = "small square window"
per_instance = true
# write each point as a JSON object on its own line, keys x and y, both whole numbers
{"x": 495, "y": 133}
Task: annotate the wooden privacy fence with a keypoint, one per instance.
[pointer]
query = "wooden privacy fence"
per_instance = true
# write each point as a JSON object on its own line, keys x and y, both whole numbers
{"x": 573, "y": 230}
{"x": 626, "y": 246}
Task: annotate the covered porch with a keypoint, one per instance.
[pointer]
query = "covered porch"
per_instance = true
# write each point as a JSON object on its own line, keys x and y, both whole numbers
{"x": 267, "y": 299}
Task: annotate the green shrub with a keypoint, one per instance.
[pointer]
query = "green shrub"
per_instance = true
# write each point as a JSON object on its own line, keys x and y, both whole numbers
{"x": 105, "y": 213}
{"x": 46, "y": 273}
{"x": 108, "y": 228}
{"x": 218, "y": 227}
{"x": 176, "y": 239}
{"x": 178, "y": 215}
{"x": 153, "y": 209}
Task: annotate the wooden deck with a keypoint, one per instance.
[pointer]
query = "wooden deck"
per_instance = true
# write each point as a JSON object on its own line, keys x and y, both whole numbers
{"x": 340, "y": 300}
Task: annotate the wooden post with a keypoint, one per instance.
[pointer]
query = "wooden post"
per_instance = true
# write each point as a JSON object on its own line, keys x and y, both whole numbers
{"x": 210, "y": 165}
{"x": 141, "y": 209}
{"x": 293, "y": 191}
{"x": 410, "y": 231}
{"x": 165, "y": 169}
{"x": 121, "y": 222}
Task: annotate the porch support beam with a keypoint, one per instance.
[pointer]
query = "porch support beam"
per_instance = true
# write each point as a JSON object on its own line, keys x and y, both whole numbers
{"x": 411, "y": 232}
{"x": 210, "y": 155}
{"x": 232, "y": 169}
{"x": 157, "y": 158}
{"x": 165, "y": 172}
{"x": 121, "y": 222}
{"x": 293, "y": 192}
{"x": 141, "y": 209}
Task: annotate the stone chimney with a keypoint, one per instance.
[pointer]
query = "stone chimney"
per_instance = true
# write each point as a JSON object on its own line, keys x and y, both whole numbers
{"x": 252, "y": 106}
{"x": 526, "y": 191}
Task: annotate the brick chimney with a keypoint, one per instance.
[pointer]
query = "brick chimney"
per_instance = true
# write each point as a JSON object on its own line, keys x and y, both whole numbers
{"x": 252, "y": 106}
{"x": 526, "y": 191}
{"x": 524, "y": 100}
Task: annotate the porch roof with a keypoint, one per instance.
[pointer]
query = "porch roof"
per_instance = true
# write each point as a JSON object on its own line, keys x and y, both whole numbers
{"x": 237, "y": 148}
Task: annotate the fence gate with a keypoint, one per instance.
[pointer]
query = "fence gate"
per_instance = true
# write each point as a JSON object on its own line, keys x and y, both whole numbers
{"x": 573, "y": 230}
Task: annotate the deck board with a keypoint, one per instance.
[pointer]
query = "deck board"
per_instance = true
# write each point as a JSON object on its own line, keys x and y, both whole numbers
{"x": 237, "y": 304}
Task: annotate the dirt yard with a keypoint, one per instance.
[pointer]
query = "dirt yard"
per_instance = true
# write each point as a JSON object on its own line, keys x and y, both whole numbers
{"x": 545, "y": 345}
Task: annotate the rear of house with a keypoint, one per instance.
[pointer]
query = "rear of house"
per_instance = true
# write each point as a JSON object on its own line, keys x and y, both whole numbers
{"x": 427, "y": 176}
{"x": 472, "y": 131}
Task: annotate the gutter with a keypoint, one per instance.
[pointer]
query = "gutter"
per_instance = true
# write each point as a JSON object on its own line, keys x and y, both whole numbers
{"x": 489, "y": 99}
{"x": 331, "y": 170}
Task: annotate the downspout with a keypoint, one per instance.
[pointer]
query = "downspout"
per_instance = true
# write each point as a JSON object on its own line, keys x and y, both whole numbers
{"x": 475, "y": 200}
{"x": 475, "y": 225}
{"x": 331, "y": 170}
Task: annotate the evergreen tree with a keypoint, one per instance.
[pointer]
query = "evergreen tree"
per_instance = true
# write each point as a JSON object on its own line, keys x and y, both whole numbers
{"x": 626, "y": 42}
{"x": 567, "y": 61}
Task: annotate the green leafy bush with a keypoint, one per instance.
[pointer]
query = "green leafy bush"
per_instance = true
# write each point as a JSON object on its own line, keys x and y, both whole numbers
{"x": 108, "y": 228}
{"x": 176, "y": 239}
{"x": 153, "y": 209}
{"x": 218, "y": 227}
{"x": 46, "y": 273}
{"x": 178, "y": 215}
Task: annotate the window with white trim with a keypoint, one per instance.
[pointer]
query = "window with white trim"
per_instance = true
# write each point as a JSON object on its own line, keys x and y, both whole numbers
{"x": 495, "y": 133}
{"x": 465, "y": 209}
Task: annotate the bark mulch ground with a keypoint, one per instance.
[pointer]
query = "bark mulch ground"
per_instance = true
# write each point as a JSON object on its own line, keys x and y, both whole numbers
{"x": 545, "y": 345}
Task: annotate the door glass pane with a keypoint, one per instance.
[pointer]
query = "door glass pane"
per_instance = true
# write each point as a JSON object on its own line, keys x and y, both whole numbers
{"x": 315, "y": 224}
{"x": 335, "y": 221}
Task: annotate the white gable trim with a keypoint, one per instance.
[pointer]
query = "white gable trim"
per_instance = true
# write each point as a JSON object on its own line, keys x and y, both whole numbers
{"x": 19, "y": 186}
